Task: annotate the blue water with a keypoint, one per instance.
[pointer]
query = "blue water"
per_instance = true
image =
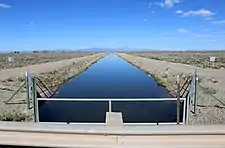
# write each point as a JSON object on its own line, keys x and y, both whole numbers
{"x": 110, "y": 77}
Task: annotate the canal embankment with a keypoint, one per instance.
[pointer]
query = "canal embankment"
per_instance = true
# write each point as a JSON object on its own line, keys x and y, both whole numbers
{"x": 53, "y": 74}
{"x": 112, "y": 77}
{"x": 133, "y": 93}
{"x": 209, "y": 109}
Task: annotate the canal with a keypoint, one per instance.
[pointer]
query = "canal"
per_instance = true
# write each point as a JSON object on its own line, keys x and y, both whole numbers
{"x": 110, "y": 77}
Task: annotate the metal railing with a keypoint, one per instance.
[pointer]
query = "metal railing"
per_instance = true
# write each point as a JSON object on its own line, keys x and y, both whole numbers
{"x": 192, "y": 92}
{"x": 110, "y": 104}
{"x": 190, "y": 103}
{"x": 43, "y": 88}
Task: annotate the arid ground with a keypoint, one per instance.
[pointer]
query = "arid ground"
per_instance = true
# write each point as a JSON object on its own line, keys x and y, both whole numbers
{"x": 31, "y": 58}
{"x": 53, "y": 69}
{"x": 211, "y": 84}
{"x": 201, "y": 58}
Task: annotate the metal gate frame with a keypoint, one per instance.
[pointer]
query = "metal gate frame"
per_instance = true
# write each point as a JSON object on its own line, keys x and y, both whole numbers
{"x": 110, "y": 100}
{"x": 192, "y": 94}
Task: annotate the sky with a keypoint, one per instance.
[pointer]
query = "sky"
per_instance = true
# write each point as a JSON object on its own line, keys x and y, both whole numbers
{"x": 134, "y": 24}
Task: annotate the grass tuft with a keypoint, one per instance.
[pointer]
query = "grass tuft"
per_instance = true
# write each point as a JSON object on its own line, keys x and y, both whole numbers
{"x": 210, "y": 90}
{"x": 12, "y": 116}
{"x": 160, "y": 80}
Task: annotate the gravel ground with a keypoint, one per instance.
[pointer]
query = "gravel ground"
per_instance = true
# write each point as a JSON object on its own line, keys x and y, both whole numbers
{"x": 52, "y": 74}
{"x": 209, "y": 110}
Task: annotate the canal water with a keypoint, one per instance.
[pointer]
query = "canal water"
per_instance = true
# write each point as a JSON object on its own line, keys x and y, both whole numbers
{"x": 110, "y": 77}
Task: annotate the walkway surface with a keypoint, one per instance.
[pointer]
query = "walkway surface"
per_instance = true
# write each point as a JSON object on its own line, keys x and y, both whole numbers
{"x": 75, "y": 135}
{"x": 40, "y": 68}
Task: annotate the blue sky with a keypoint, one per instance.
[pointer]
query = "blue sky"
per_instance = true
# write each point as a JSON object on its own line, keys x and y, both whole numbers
{"x": 142, "y": 24}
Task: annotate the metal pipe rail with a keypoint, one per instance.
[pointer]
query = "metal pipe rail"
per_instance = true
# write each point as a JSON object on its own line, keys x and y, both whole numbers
{"x": 83, "y": 136}
{"x": 110, "y": 101}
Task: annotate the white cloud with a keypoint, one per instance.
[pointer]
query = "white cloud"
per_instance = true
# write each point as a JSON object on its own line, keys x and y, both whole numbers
{"x": 167, "y": 38}
{"x": 168, "y": 3}
{"x": 161, "y": 4}
{"x": 2, "y": 5}
{"x": 181, "y": 30}
{"x": 32, "y": 24}
{"x": 152, "y": 12}
{"x": 212, "y": 40}
{"x": 209, "y": 18}
{"x": 145, "y": 20}
{"x": 201, "y": 12}
{"x": 179, "y": 12}
{"x": 219, "y": 22}
{"x": 150, "y": 5}
{"x": 198, "y": 35}
{"x": 218, "y": 32}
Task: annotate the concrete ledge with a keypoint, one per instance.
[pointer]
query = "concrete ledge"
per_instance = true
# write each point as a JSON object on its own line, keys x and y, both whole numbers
{"x": 100, "y": 129}
{"x": 114, "y": 119}
{"x": 100, "y": 136}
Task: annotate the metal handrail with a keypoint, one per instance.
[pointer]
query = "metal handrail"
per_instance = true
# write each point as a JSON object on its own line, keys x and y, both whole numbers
{"x": 41, "y": 90}
{"x": 109, "y": 99}
{"x": 187, "y": 83}
{"x": 39, "y": 80}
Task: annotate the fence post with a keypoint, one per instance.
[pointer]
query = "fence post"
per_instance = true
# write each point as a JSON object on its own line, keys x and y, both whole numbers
{"x": 28, "y": 91}
{"x": 187, "y": 109}
{"x": 195, "y": 89}
{"x": 110, "y": 106}
{"x": 178, "y": 99}
{"x": 35, "y": 102}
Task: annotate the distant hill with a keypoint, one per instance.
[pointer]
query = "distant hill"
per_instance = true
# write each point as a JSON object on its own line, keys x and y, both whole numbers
{"x": 121, "y": 49}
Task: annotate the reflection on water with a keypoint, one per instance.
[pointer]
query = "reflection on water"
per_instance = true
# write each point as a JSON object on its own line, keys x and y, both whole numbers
{"x": 110, "y": 77}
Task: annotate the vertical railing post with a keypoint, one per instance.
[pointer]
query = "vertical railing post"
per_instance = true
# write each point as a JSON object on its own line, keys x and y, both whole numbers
{"x": 28, "y": 91}
{"x": 187, "y": 107}
{"x": 178, "y": 99}
{"x": 195, "y": 89}
{"x": 184, "y": 111}
{"x": 35, "y": 101}
{"x": 110, "y": 106}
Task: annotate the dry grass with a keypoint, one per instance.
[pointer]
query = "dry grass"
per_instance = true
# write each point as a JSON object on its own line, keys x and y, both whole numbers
{"x": 13, "y": 116}
{"x": 187, "y": 57}
{"x": 23, "y": 59}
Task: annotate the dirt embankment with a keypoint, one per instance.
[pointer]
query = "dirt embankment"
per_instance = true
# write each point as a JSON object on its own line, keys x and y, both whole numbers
{"x": 210, "y": 99}
{"x": 12, "y": 60}
{"x": 52, "y": 74}
{"x": 201, "y": 58}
